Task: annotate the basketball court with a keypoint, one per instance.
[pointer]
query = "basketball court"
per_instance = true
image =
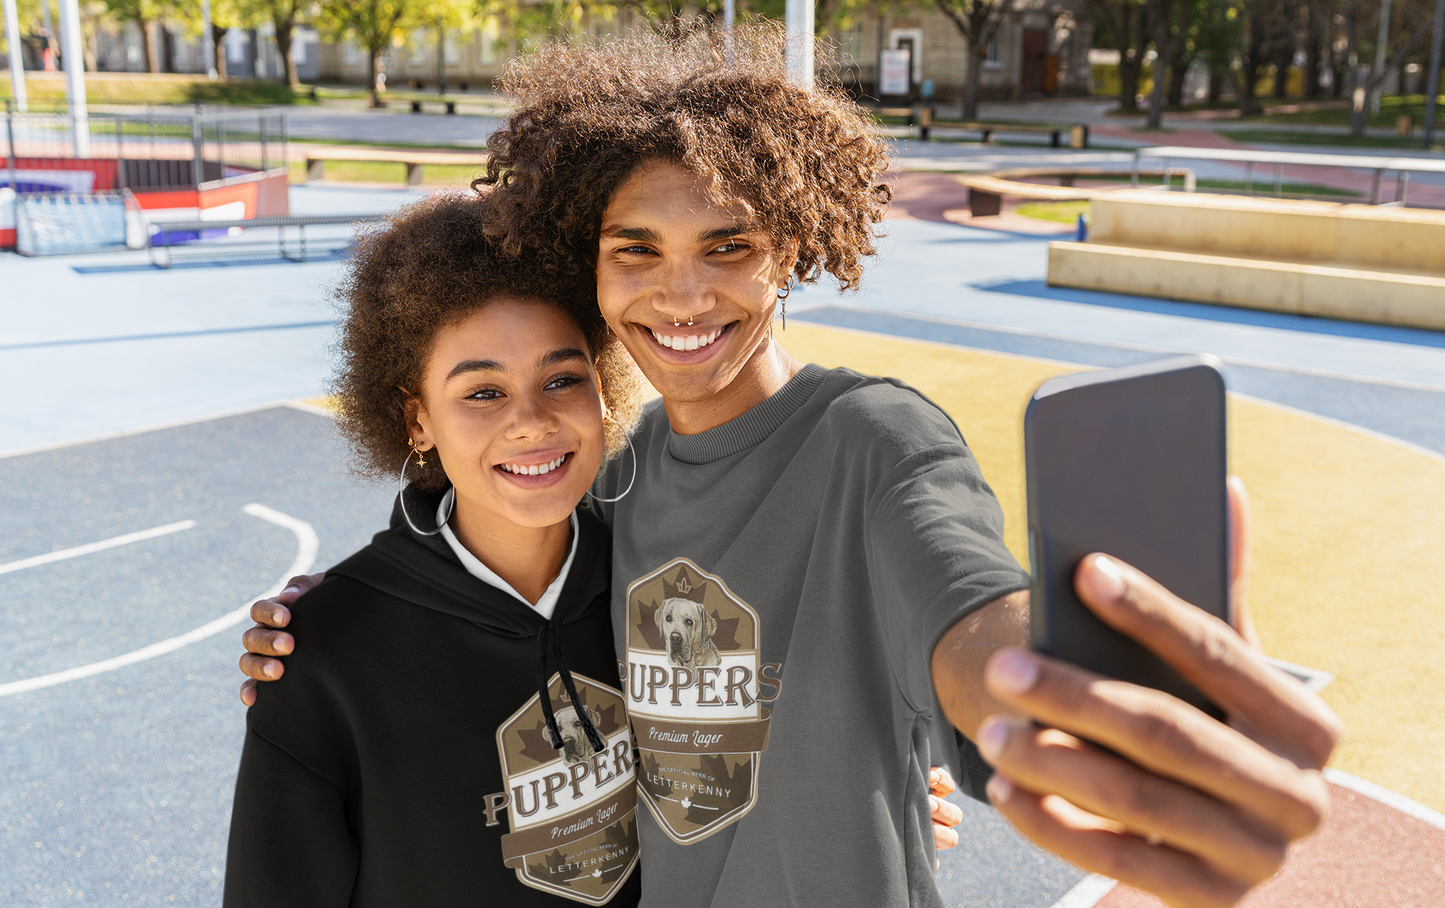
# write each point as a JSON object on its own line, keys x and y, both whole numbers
{"x": 159, "y": 471}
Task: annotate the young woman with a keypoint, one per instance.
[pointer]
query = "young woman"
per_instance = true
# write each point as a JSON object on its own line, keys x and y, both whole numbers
{"x": 501, "y": 770}
{"x": 836, "y": 531}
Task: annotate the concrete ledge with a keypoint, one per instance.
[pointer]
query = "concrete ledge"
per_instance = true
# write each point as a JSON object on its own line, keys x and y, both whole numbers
{"x": 1413, "y": 299}
{"x": 1292, "y": 231}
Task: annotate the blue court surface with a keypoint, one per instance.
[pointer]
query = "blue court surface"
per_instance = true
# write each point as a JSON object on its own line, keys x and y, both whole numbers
{"x": 157, "y": 475}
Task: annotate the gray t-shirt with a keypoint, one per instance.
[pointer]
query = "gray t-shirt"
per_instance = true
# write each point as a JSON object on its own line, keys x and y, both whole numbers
{"x": 779, "y": 583}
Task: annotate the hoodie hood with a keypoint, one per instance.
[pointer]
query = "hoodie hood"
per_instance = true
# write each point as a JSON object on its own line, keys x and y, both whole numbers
{"x": 424, "y": 570}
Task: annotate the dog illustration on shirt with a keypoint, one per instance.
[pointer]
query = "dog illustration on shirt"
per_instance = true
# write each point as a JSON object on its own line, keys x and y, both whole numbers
{"x": 575, "y": 746}
{"x": 687, "y": 631}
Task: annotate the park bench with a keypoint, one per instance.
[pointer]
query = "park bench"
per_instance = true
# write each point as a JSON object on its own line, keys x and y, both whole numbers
{"x": 160, "y": 235}
{"x": 924, "y": 118}
{"x": 1078, "y": 133}
{"x": 920, "y": 116}
{"x": 986, "y": 191}
{"x": 449, "y": 104}
{"x": 414, "y": 161}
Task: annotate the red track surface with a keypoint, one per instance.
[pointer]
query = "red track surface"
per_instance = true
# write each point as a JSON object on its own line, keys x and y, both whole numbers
{"x": 1368, "y": 855}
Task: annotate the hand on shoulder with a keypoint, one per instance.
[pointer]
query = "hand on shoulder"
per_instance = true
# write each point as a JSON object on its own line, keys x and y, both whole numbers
{"x": 265, "y": 640}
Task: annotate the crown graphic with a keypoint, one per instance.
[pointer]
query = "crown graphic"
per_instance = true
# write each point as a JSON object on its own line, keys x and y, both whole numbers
{"x": 682, "y": 587}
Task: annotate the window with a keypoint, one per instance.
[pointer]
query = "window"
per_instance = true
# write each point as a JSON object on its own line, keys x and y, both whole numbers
{"x": 488, "y": 37}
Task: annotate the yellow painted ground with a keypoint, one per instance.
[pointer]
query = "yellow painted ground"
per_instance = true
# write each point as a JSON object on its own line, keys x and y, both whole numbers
{"x": 1349, "y": 541}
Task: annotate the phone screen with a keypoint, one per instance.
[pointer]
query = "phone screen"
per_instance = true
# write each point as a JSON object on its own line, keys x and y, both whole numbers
{"x": 1129, "y": 462}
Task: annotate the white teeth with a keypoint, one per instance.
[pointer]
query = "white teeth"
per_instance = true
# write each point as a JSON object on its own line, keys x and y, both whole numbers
{"x": 688, "y": 342}
{"x": 534, "y": 469}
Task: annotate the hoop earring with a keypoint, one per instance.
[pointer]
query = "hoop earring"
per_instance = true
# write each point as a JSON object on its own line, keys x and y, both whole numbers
{"x": 783, "y": 294}
{"x": 401, "y": 499}
{"x": 630, "y": 482}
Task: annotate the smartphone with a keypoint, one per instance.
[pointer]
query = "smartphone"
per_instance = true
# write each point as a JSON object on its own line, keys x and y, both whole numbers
{"x": 1129, "y": 462}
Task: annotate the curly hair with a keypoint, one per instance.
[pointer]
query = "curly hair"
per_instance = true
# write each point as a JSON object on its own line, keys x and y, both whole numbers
{"x": 804, "y": 162}
{"x": 426, "y": 267}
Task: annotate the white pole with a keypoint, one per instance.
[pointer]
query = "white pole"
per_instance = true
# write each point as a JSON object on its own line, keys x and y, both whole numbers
{"x": 1380, "y": 58}
{"x": 70, "y": 49}
{"x": 729, "y": 14}
{"x": 208, "y": 40}
{"x": 17, "y": 56}
{"x": 1432, "y": 85}
{"x": 800, "y": 40}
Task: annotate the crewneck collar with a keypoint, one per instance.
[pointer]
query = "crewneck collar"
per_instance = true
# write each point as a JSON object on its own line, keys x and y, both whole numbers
{"x": 751, "y": 428}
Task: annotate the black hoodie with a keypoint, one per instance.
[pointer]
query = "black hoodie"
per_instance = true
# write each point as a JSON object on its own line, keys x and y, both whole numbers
{"x": 405, "y": 757}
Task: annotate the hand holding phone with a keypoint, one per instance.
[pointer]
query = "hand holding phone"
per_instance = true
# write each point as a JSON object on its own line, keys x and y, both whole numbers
{"x": 1130, "y": 462}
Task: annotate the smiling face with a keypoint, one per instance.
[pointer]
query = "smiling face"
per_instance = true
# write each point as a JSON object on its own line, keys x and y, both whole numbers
{"x": 689, "y": 287}
{"x": 509, "y": 401}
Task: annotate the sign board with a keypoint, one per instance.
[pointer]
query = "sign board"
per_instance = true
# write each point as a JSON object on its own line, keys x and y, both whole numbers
{"x": 893, "y": 70}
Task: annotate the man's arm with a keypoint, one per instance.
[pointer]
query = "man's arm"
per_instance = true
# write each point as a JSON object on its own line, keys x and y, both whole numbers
{"x": 1193, "y": 810}
{"x": 265, "y": 640}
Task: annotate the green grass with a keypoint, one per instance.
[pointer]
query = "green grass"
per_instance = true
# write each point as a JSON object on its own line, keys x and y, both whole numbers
{"x": 1392, "y": 107}
{"x": 1063, "y": 212}
{"x": 370, "y": 143}
{"x": 383, "y": 172}
{"x": 1341, "y": 140}
{"x": 47, "y": 90}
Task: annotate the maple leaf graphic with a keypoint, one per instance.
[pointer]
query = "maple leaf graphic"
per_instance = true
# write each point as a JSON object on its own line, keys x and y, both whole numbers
{"x": 619, "y": 835}
{"x": 543, "y": 871}
{"x": 535, "y": 746}
{"x": 647, "y": 624}
{"x": 726, "y": 636}
{"x": 652, "y": 770}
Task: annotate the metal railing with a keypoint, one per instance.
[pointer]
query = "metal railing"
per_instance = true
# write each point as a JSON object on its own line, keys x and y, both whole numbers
{"x": 143, "y": 150}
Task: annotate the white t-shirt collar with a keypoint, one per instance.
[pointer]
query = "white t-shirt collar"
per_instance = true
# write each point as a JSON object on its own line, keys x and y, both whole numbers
{"x": 546, "y": 605}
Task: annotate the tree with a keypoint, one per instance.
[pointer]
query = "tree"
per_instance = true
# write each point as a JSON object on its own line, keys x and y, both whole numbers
{"x": 977, "y": 21}
{"x": 1163, "y": 35}
{"x": 226, "y": 15}
{"x": 285, "y": 15}
{"x": 1121, "y": 26}
{"x": 147, "y": 15}
{"x": 1402, "y": 43}
{"x": 375, "y": 25}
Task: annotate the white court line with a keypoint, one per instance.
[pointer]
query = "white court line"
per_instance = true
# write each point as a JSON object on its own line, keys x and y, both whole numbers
{"x": 96, "y": 546}
{"x": 1385, "y": 796}
{"x": 1086, "y": 893}
{"x": 307, "y": 546}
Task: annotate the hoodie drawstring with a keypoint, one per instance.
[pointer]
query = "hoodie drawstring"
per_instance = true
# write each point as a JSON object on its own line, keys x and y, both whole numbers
{"x": 553, "y": 628}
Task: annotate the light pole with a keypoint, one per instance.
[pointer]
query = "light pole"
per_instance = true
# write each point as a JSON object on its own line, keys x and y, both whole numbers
{"x": 208, "y": 40}
{"x": 70, "y": 48}
{"x": 800, "y": 40}
{"x": 1432, "y": 85}
{"x": 1379, "y": 71}
{"x": 17, "y": 56}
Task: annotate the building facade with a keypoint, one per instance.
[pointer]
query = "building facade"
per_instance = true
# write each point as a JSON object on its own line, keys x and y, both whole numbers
{"x": 1041, "y": 49}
